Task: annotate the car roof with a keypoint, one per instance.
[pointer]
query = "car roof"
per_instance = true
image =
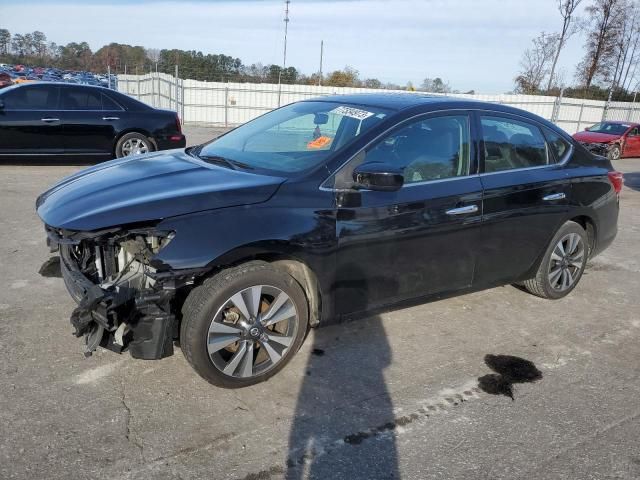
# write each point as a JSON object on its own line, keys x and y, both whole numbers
{"x": 398, "y": 101}
{"x": 621, "y": 122}
{"x": 389, "y": 100}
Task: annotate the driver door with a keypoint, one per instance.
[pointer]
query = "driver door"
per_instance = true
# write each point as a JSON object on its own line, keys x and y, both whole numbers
{"x": 421, "y": 239}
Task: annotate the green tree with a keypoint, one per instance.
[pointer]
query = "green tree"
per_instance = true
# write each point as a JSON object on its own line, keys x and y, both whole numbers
{"x": 5, "y": 41}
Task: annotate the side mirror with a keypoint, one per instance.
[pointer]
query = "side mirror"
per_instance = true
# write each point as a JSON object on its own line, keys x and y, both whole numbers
{"x": 380, "y": 177}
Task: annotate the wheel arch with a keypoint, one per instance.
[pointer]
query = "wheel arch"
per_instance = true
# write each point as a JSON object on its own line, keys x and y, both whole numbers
{"x": 589, "y": 226}
{"x": 284, "y": 259}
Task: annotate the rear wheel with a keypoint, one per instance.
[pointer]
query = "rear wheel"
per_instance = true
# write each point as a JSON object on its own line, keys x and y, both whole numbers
{"x": 563, "y": 263}
{"x": 243, "y": 325}
{"x": 133, "y": 144}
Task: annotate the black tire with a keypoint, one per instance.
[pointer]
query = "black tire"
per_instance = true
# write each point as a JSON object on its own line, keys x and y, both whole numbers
{"x": 614, "y": 153}
{"x": 203, "y": 303}
{"x": 133, "y": 136}
{"x": 541, "y": 284}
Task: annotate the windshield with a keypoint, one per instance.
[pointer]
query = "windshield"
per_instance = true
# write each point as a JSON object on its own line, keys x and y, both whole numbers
{"x": 292, "y": 139}
{"x": 610, "y": 128}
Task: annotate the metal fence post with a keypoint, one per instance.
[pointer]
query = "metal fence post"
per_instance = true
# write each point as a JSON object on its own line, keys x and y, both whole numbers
{"x": 182, "y": 100}
{"x": 176, "y": 78}
{"x": 556, "y": 107}
{"x": 580, "y": 115}
{"x": 606, "y": 106}
{"x": 226, "y": 106}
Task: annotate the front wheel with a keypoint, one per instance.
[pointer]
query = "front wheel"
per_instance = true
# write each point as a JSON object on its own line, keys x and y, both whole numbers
{"x": 614, "y": 153}
{"x": 563, "y": 263}
{"x": 243, "y": 325}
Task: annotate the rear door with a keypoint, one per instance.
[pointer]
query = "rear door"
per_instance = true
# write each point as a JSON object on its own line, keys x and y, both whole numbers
{"x": 30, "y": 122}
{"x": 90, "y": 121}
{"x": 525, "y": 198}
{"x": 422, "y": 238}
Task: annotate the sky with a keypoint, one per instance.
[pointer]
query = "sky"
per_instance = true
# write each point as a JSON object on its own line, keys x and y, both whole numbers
{"x": 472, "y": 44}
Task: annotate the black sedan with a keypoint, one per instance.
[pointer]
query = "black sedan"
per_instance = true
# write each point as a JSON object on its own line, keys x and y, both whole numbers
{"x": 319, "y": 210}
{"x": 52, "y": 119}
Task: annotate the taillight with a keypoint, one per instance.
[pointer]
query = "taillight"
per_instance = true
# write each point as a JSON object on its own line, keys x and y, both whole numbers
{"x": 178, "y": 124}
{"x": 616, "y": 179}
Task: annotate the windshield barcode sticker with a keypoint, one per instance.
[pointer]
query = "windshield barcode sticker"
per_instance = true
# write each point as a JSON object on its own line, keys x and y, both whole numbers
{"x": 352, "y": 112}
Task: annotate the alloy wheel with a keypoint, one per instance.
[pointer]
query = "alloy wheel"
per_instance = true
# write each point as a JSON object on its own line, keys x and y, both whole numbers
{"x": 252, "y": 331}
{"x": 134, "y": 146}
{"x": 566, "y": 262}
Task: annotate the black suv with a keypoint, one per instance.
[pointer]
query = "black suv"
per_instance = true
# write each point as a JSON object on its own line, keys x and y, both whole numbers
{"x": 318, "y": 210}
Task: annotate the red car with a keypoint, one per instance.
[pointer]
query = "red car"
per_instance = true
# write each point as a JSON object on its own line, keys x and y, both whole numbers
{"x": 613, "y": 139}
{"x": 5, "y": 80}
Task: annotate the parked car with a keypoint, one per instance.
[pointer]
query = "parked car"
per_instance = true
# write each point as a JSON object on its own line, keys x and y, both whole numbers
{"x": 319, "y": 210}
{"x": 55, "y": 119}
{"x": 613, "y": 139}
{"x": 5, "y": 80}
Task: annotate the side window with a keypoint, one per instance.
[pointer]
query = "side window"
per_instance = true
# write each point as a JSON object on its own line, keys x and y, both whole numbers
{"x": 108, "y": 104}
{"x": 510, "y": 144}
{"x": 81, "y": 99}
{"x": 558, "y": 145}
{"x": 31, "y": 98}
{"x": 427, "y": 149}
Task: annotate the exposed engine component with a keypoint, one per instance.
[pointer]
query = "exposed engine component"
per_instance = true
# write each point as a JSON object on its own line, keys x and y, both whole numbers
{"x": 124, "y": 302}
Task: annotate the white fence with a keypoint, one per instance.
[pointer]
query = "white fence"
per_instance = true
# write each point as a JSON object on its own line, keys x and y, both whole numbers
{"x": 228, "y": 104}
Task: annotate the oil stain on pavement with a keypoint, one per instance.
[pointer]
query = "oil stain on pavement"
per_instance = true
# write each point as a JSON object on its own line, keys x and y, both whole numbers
{"x": 508, "y": 370}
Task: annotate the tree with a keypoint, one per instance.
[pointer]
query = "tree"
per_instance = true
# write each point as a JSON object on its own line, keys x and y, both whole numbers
{"x": 349, "y": 77}
{"x": 535, "y": 63}
{"x": 603, "y": 30}
{"x": 39, "y": 44}
{"x": 435, "y": 85}
{"x": 567, "y": 9}
{"x": 372, "y": 83}
{"x": 5, "y": 41}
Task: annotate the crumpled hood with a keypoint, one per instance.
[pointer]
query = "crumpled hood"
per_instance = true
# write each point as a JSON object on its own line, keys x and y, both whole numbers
{"x": 148, "y": 187}
{"x": 593, "y": 137}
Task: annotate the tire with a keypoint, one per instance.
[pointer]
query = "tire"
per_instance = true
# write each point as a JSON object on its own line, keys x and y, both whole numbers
{"x": 212, "y": 316}
{"x": 614, "y": 153}
{"x": 550, "y": 284}
{"x": 133, "y": 144}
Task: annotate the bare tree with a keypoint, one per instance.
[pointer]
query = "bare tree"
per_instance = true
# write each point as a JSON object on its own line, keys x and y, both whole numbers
{"x": 567, "y": 9}
{"x": 604, "y": 27}
{"x": 535, "y": 63}
{"x": 153, "y": 54}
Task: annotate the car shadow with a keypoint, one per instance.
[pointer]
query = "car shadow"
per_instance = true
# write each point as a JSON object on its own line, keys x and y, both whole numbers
{"x": 50, "y": 162}
{"x": 340, "y": 373}
{"x": 51, "y": 268}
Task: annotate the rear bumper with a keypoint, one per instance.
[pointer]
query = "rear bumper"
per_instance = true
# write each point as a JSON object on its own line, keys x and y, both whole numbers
{"x": 170, "y": 142}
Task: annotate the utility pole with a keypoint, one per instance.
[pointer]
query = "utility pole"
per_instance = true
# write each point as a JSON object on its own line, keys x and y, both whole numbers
{"x": 321, "y": 52}
{"x": 284, "y": 58}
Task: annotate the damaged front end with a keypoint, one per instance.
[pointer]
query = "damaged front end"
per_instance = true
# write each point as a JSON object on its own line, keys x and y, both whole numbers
{"x": 126, "y": 299}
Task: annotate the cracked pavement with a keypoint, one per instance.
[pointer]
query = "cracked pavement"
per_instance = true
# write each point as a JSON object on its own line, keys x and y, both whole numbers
{"x": 394, "y": 395}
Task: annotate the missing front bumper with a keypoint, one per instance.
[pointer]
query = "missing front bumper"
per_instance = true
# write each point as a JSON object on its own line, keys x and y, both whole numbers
{"x": 149, "y": 326}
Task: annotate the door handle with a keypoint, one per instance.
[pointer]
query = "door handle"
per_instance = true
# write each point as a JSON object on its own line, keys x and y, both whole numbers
{"x": 111, "y": 118}
{"x": 49, "y": 120}
{"x": 554, "y": 196}
{"x": 462, "y": 210}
